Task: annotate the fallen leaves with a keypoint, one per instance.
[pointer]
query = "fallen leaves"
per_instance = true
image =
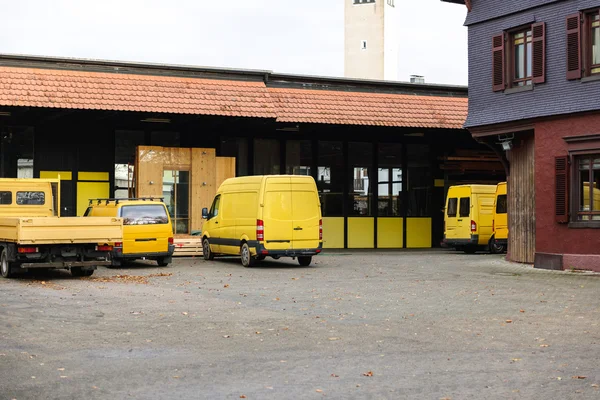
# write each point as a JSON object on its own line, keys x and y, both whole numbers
{"x": 334, "y": 338}
{"x": 242, "y": 396}
{"x": 335, "y": 376}
{"x": 129, "y": 278}
{"x": 578, "y": 377}
{"x": 508, "y": 321}
{"x": 226, "y": 336}
{"x": 544, "y": 345}
{"x": 369, "y": 373}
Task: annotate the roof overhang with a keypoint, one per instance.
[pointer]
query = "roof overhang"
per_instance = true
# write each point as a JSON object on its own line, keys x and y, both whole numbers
{"x": 465, "y": 2}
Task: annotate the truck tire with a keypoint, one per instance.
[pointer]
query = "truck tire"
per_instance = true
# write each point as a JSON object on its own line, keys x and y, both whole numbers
{"x": 304, "y": 260}
{"x": 5, "y": 270}
{"x": 247, "y": 259}
{"x": 495, "y": 247}
{"x": 163, "y": 261}
{"x": 79, "y": 271}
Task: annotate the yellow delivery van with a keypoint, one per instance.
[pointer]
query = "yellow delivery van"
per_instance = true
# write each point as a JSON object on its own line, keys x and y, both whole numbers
{"x": 499, "y": 239}
{"x": 147, "y": 229}
{"x": 264, "y": 216}
{"x": 468, "y": 217}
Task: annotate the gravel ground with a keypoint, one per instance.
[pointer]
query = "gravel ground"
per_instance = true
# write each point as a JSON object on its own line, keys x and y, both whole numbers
{"x": 355, "y": 325}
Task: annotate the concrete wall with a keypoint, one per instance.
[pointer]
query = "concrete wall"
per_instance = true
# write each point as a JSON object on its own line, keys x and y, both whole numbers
{"x": 364, "y": 22}
{"x": 391, "y": 41}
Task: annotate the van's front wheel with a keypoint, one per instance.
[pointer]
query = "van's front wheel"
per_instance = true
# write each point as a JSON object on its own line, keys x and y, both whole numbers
{"x": 304, "y": 260}
{"x": 206, "y": 253}
{"x": 247, "y": 259}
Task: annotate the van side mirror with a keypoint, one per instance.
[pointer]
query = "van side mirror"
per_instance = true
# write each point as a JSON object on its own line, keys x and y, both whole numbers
{"x": 205, "y": 213}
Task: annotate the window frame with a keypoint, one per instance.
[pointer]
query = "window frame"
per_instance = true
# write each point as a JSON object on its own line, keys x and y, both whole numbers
{"x": 513, "y": 82}
{"x": 586, "y": 48}
{"x": 574, "y": 192}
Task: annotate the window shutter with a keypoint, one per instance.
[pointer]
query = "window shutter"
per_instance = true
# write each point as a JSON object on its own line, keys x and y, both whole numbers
{"x": 574, "y": 46}
{"x": 561, "y": 168}
{"x": 498, "y": 63}
{"x": 539, "y": 52}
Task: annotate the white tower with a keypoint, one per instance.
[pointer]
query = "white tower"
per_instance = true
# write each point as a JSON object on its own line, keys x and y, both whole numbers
{"x": 371, "y": 39}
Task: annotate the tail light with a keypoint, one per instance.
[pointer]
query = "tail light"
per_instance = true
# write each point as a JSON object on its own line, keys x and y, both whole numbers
{"x": 473, "y": 226}
{"x": 104, "y": 248}
{"x": 260, "y": 230}
{"x": 27, "y": 250}
{"x": 171, "y": 240}
{"x": 118, "y": 244}
{"x": 320, "y": 229}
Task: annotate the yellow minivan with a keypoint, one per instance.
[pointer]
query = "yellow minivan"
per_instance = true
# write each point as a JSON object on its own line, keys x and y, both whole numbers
{"x": 259, "y": 216}
{"x": 499, "y": 239}
{"x": 147, "y": 229}
{"x": 468, "y": 217}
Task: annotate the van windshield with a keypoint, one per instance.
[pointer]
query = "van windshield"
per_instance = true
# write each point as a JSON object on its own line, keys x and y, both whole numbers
{"x": 151, "y": 214}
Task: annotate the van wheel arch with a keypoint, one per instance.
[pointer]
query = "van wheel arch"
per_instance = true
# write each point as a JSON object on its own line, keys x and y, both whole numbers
{"x": 206, "y": 252}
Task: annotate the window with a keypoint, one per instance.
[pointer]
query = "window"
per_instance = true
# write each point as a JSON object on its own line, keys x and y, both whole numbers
{"x": 214, "y": 209}
{"x": 389, "y": 180}
{"x": 501, "y": 205}
{"x": 390, "y": 3}
{"x": 587, "y": 187}
{"x": 360, "y": 158}
{"x": 5, "y": 198}
{"x": 465, "y": 207}
{"x": 330, "y": 178}
{"x": 519, "y": 57}
{"x": 31, "y": 198}
{"x": 363, "y": 44}
{"x": 176, "y": 192}
{"x": 363, "y": 1}
{"x": 521, "y": 50}
{"x": 583, "y": 44}
{"x": 143, "y": 215}
{"x": 266, "y": 156}
{"x": 452, "y": 203}
{"x": 298, "y": 157}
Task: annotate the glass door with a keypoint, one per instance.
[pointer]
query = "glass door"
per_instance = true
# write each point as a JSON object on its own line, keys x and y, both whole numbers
{"x": 176, "y": 191}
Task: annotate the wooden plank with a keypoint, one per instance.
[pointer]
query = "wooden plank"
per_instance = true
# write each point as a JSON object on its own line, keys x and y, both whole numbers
{"x": 225, "y": 169}
{"x": 203, "y": 183}
{"x": 149, "y": 171}
{"x": 521, "y": 202}
{"x": 177, "y": 158}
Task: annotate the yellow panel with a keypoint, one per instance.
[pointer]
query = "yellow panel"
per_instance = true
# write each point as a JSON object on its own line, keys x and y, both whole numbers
{"x": 90, "y": 190}
{"x": 361, "y": 232}
{"x": 418, "y": 233}
{"x": 64, "y": 175}
{"x": 93, "y": 176}
{"x": 333, "y": 233}
{"x": 389, "y": 233}
{"x": 438, "y": 183}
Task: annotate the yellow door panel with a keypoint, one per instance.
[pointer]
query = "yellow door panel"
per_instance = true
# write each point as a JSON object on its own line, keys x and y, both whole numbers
{"x": 361, "y": 233}
{"x": 146, "y": 229}
{"x": 418, "y": 233}
{"x": 333, "y": 232}
{"x": 90, "y": 190}
{"x": 390, "y": 233}
{"x": 277, "y": 214}
{"x": 306, "y": 213}
{"x": 64, "y": 175}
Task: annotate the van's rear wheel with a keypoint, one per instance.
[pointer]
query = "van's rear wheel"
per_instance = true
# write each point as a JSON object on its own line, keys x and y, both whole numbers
{"x": 163, "y": 261}
{"x": 247, "y": 259}
{"x": 304, "y": 260}
{"x": 495, "y": 247}
{"x": 470, "y": 249}
{"x": 79, "y": 271}
{"x": 206, "y": 253}
{"x": 5, "y": 270}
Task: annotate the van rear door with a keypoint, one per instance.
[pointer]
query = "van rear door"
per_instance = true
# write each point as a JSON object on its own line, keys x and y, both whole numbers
{"x": 146, "y": 229}
{"x": 277, "y": 213}
{"x": 306, "y": 213}
{"x": 451, "y": 214}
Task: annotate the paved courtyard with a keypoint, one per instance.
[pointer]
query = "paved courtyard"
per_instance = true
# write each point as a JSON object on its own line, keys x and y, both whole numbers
{"x": 355, "y": 325}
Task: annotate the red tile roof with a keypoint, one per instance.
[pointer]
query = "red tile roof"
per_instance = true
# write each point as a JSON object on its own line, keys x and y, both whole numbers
{"x": 35, "y": 87}
{"x": 38, "y": 87}
{"x": 361, "y": 108}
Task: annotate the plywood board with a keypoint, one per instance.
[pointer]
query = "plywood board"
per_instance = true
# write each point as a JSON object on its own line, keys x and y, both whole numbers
{"x": 175, "y": 158}
{"x": 225, "y": 170}
{"x": 203, "y": 183}
{"x": 149, "y": 171}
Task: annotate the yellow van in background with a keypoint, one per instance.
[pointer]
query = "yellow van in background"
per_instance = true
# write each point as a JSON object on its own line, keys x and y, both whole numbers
{"x": 468, "y": 217}
{"x": 499, "y": 239}
{"x": 259, "y": 216}
{"x": 147, "y": 229}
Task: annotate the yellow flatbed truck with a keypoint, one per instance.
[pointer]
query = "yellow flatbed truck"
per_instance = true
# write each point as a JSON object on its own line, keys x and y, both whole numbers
{"x": 33, "y": 235}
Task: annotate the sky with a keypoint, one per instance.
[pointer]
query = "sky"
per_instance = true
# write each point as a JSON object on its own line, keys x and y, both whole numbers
{"x": 299, "y": 37}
